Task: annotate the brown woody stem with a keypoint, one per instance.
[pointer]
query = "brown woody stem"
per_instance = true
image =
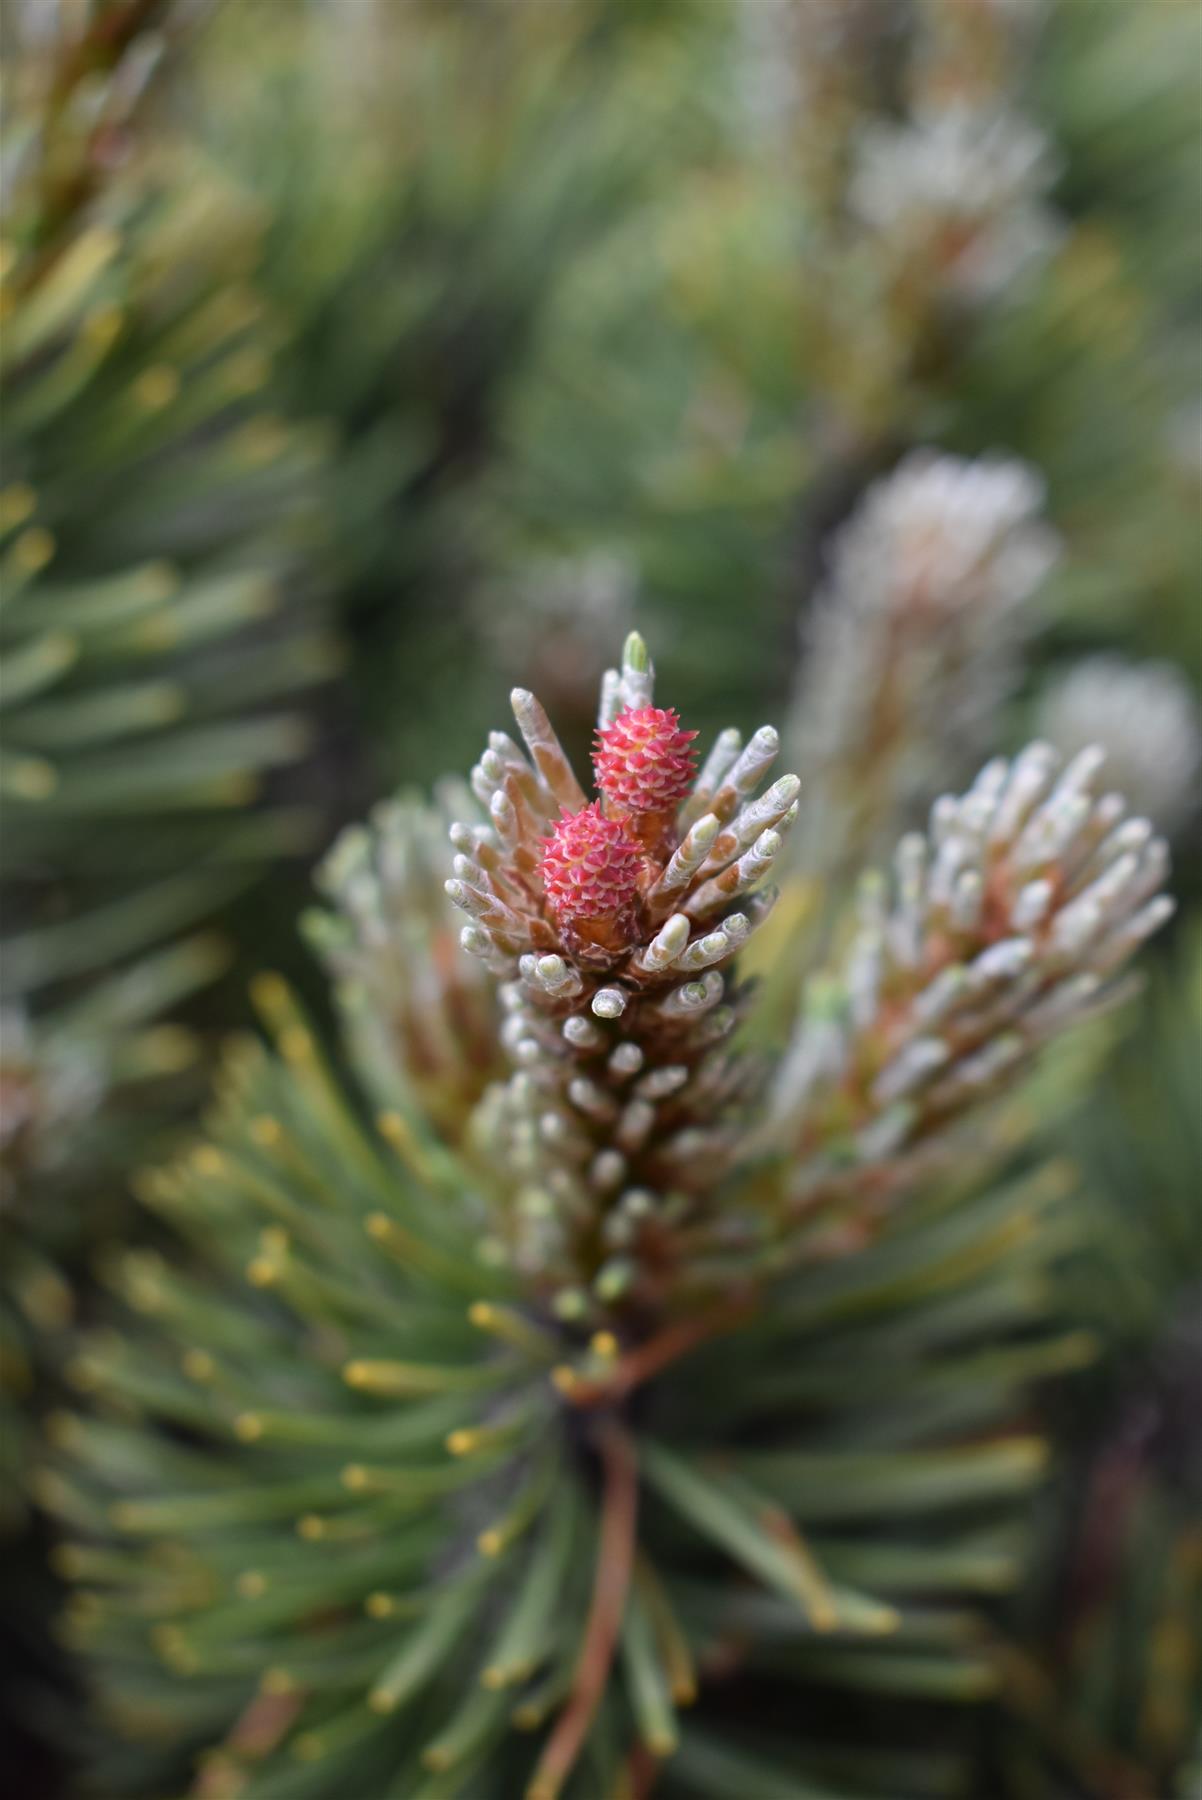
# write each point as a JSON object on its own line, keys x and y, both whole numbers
{"x": 611, "y": 1583}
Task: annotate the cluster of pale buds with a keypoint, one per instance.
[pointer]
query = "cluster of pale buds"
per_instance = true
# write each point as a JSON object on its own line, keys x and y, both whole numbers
{"x": 913, "y": 640}
{"x": 613, "y": 924}
{"x": 1009, "y": 920}
{"x": 959, "y": 192}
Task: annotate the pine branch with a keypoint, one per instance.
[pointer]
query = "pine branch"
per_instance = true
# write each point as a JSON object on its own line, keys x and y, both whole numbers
{"x": 415, "y": 1367}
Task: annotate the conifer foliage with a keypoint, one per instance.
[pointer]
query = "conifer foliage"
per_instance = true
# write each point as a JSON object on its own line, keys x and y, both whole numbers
{"x": 468, "y": 1448}
{"x": 151, "y": 518}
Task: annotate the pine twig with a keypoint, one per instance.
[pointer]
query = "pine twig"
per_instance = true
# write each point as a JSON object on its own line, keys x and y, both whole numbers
{"x": 615, "y": 1565}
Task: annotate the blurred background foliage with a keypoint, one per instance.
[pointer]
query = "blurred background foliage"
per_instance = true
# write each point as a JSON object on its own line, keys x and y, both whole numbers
{"x": 361, "y": 357}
